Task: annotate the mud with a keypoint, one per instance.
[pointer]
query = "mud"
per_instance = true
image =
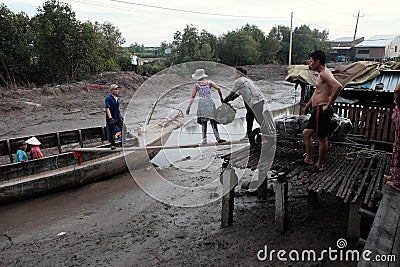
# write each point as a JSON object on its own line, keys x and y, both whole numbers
{"x": 115, "y": 223}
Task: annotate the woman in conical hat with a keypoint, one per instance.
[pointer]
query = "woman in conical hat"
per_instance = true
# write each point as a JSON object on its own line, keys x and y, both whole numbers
{"x": 35, "y": 153}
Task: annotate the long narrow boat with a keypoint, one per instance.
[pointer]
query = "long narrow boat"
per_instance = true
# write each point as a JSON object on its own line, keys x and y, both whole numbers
{"x": 68, "y": 169}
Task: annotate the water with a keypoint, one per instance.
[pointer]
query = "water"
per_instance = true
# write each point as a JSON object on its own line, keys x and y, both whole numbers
{"x": 190, "y": 133}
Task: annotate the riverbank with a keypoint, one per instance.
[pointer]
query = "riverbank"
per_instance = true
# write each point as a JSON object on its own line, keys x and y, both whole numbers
{"x": 114, "y": 223}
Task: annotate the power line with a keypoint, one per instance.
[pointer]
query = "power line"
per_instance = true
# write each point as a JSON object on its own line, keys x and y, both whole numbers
{"x": 196, "y": 12}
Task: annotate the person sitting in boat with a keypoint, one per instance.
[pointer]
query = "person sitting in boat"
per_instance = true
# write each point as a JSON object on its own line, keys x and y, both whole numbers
{"x": 21, "y": 154}
{"x": 113, "y": 113}
{"x": 35, "y": 152}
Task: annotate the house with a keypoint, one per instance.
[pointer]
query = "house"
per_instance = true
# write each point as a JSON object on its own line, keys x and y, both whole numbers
{"x": 379, "y": 48}
{"x": 343, "y": 48}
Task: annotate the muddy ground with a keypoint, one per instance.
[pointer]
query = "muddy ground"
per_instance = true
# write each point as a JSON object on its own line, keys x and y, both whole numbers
{"x": 114, "y": 223}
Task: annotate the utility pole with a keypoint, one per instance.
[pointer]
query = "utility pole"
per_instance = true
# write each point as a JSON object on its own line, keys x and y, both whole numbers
{"x": 291, "y": 36}
{"x": 355, "y": 32}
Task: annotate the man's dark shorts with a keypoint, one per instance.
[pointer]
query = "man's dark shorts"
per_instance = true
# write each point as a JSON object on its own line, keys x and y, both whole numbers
{"x": 320, "y": 120}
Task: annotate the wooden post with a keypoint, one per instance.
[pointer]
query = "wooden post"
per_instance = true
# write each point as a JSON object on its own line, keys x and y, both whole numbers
{"x": 59, "y": 143}
{"x": 262, "y": 190}
{"x": 9, "y": 151}
{"x": 229, "y": 182}
{"x": 281, "y": 203}
{"x": 354, "y": 220}
{"x": 80, "y": 138}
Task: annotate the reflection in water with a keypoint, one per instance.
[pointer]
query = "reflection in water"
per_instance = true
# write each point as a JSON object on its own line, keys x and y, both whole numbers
{"x": 190, "y": 133}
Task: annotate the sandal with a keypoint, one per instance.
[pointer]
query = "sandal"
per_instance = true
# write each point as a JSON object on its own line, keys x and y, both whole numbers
{"x": 313, "y": 169}
{"x": 302, "y": 162}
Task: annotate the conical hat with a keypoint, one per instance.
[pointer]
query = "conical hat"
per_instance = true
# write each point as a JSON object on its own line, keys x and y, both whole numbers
{"x": 33, "y": 141}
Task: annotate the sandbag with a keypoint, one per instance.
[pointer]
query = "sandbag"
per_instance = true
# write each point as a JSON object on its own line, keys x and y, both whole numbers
{"x": 225, "y": 114}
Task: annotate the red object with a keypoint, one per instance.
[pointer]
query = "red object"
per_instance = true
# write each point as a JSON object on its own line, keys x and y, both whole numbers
{"x": 78, "y": 156}
{"x": 96, "y": 86}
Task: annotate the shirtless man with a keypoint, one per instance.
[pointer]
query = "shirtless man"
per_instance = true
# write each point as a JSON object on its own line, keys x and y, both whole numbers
{"x": 326, "y": 91}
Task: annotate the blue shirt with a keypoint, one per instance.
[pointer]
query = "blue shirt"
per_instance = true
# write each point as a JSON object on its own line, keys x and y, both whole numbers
{"x": 113, "y": 105}
{"x": 21, "y": 156}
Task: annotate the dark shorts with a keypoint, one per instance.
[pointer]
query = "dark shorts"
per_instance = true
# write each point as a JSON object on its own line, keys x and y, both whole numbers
{"x": 320, "y": 121}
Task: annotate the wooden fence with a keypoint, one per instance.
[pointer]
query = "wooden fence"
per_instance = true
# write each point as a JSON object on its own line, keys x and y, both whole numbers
{"x": 370, "y": 123}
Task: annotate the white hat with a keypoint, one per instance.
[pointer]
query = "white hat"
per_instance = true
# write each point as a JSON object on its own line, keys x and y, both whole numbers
{"x": 199, "y": 74}
{"x": 33, "y": 141}
{"x": 114, "y": 86}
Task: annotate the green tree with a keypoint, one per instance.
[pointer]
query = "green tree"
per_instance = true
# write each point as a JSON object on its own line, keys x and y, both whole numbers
{"x": 305, "y": 41}
{"x": 238, "y": 48}
{"x": 266, "y": 46}
{"x": 282, "y": 35}
{"x": 14, "y": 47}
{"x": 54, "y": 26}
{"x": 186, "y": 44}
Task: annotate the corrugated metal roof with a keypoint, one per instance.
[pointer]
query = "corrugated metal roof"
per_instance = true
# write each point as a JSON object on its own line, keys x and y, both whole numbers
{"x": 389, "y": 78}
{"x": 378, "y": 41}
{"x": 341, "y": 47}
{"x": 343, "y": 40}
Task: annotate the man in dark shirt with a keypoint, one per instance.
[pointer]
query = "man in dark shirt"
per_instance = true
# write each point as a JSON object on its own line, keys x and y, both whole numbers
{"x": 113, "y": 114}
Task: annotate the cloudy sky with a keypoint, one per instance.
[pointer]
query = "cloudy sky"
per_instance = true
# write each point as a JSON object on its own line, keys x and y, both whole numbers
{"x": 151, "y": 22}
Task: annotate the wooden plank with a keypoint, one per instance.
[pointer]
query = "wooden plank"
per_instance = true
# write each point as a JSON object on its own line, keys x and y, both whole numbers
{"x": 379, "y": 131}
{"x": 58, "y": 143}
{"x": 262, "y": 190}
{"x": 281, "y": 206}
{"x": 363, "y": 122}
{"x": 9, "y": 151}
{"x": 366, "y": 174}
{"x": 351, "y": 113}
{"x": 373, "y": 124}
{"x": 377, "y": 174}
{"x": 229, "y": 181}
{"x": 385, "y": 230}
{"x": 92, "y": 133}
{"x": 69, "y": 137}
{"x": 354, "y": 220}
{"x": 386, "y": 127}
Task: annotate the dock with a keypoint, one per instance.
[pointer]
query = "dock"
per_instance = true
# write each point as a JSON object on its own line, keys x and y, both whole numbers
{"x": 383, "y": 244}
{"x": 352, "y": 173}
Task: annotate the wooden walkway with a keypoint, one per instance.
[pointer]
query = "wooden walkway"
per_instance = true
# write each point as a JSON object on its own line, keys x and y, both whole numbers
{"x": 384, "y": 238}
{"x": 350, "y": 172}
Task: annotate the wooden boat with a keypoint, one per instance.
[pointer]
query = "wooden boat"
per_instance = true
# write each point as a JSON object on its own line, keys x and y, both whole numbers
{"x": 63, "y": 170}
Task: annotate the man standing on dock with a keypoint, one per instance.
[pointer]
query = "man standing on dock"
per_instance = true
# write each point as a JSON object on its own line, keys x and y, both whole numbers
{"x": 326, "y": 91}
{"x": 113, "y": 113}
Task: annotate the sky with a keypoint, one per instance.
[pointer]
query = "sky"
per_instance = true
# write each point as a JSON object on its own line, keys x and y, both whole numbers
{"x": 151, "y": 22}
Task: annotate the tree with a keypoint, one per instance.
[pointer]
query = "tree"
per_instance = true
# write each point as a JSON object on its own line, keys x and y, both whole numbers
{"x": 282, "y": 34}
{"x": 267, "y": 46}
{"x": 54, "y": 26}
{"x": 305, "y": 41}
{"x": 14, "y": 47}
{"x": 238, "y": 48}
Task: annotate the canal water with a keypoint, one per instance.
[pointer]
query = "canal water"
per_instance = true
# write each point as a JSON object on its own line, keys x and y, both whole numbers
{"x": 190, "y": 133}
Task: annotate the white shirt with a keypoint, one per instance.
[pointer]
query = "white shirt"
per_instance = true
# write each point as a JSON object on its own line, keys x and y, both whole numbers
{"x": 134, "y": 59}
{"x": 248, "y": 90}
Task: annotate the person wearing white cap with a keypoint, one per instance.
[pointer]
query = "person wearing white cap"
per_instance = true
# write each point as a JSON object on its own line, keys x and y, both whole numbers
{"x": 206, "y": 107}
{"x": 35, "y": 153}
{"x": 113, "y": 113}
